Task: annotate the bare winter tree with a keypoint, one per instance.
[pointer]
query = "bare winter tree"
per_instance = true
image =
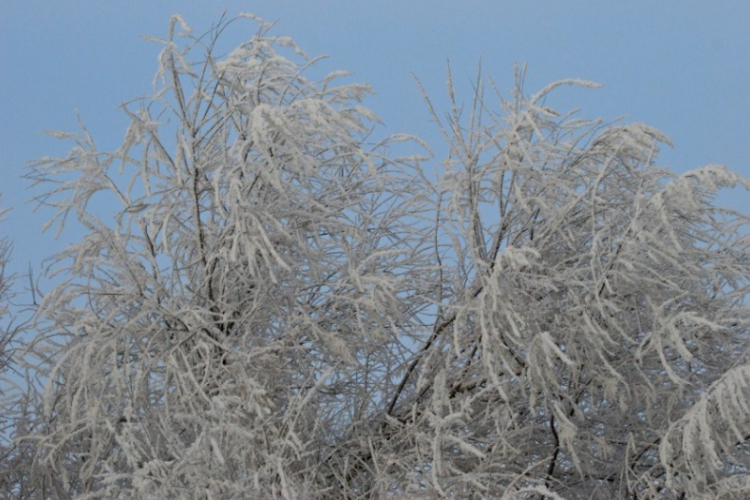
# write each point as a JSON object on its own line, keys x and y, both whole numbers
{"x": 280, "y": 309}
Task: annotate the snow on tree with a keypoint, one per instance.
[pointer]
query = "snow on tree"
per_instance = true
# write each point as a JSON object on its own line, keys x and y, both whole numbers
{"x": 279, "y": 308}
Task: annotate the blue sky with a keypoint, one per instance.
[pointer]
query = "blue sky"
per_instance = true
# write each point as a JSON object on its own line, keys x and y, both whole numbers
{"x": 680, "y": 66}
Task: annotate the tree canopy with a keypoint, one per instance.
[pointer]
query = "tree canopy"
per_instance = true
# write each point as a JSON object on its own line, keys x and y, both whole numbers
{"x": 277, "y": 306}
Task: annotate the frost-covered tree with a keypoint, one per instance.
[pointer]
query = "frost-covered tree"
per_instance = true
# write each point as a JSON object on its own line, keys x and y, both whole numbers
{"x": 7, "y": 332}
{"x": 275, "y": 307}
{"x": 592, "y": 334}
{"x": 13, "y": 400}
{"x": 246, "y": 305}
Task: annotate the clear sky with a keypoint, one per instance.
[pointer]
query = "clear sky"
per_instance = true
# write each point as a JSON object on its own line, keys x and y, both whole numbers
{"x": 682, "y": 66}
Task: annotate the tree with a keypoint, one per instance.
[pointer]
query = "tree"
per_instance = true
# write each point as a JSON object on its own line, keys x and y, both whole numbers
{"x": 13, "y": 402}
{"x": 281, "y": 309}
